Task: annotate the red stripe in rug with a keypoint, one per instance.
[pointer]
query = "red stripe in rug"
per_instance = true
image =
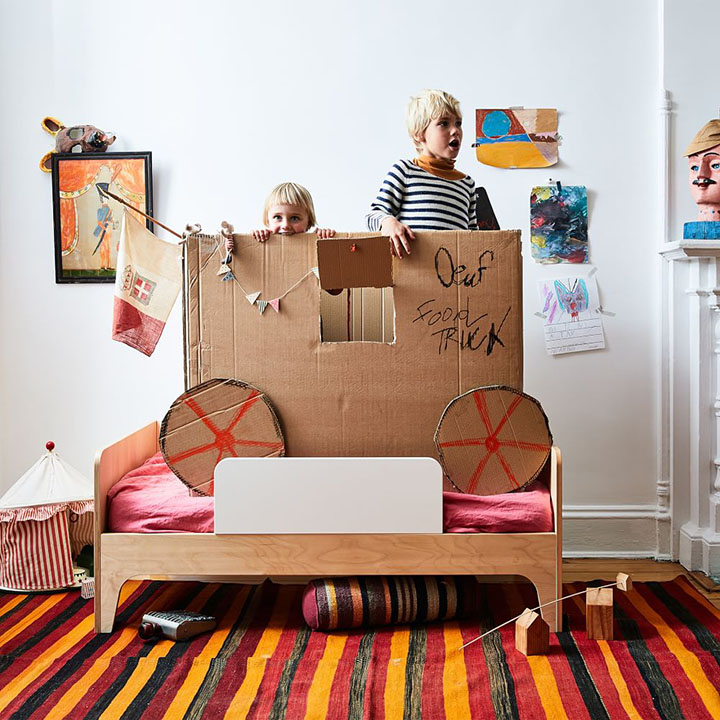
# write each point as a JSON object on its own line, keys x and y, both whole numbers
{"x": 432, "y": 687}
{"x": 374, "y": 708}
{"x": 347, "y": 691}
{"x": 305, "y": 674}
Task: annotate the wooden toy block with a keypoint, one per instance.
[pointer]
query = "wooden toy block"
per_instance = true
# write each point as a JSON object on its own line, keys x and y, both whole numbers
{"x": 599, "y": 613}
{"x": 532, "y": 634}
{"x": 624, "y": 582}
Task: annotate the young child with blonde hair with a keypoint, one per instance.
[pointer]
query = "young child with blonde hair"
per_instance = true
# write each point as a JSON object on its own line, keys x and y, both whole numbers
{"x": 426, "y": 193}
{"x": 288, "y": 210}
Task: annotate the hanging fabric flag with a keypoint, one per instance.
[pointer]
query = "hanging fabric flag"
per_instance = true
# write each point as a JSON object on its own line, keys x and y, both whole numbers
{"x": 227, "y": 276}
{"x": 316, "y": 272}
{"x": 275, "y": 305}
{"x": 224, "y": 270}
{"x": 252, "y": 297}
{"x": 147, "y": 283}
{"x": 261, "y": 305}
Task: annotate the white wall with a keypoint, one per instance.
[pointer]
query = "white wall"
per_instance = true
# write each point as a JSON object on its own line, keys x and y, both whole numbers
{"x": 234, "y": 98}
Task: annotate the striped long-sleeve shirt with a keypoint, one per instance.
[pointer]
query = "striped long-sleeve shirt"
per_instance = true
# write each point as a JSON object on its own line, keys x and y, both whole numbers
{"x": 423, "y": 201}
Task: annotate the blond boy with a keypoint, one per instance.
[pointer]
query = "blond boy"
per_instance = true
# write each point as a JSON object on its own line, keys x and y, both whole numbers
{"x": 426, "y": 193}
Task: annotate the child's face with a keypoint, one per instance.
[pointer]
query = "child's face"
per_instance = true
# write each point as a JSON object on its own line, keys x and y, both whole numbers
{"x": 442, "y": 137}
{"x": 287, "y": 219}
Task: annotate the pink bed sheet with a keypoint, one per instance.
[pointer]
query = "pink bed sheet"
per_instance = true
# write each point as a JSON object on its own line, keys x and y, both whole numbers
{"x": 152, "y": 499}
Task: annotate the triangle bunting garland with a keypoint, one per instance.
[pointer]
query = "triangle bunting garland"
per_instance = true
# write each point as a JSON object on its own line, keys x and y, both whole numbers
{"x": 225, "y": 273}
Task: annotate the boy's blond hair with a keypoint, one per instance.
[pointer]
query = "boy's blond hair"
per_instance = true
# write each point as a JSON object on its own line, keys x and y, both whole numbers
{"x": 426, "y": 107}
{"x": 290, "y": 193}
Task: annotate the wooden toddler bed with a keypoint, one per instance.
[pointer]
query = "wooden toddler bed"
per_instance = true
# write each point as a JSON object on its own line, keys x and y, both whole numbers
{"x": 251, "y": 558}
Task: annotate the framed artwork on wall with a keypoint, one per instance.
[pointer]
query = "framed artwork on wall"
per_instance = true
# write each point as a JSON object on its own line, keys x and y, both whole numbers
{"x": 87, "y": 222}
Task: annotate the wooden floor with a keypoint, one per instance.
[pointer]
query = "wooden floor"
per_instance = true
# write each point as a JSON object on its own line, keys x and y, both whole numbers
{"x": 581, "y": 569}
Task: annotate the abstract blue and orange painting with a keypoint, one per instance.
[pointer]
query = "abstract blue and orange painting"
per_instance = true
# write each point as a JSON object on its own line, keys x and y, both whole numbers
{"x": 517, "y": 137}
{"x": 558, "y": 224}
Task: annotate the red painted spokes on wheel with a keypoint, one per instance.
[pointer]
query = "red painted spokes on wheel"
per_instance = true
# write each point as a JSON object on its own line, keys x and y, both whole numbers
{"x": 215, "y": 420}
{"x": 493, "y": 440}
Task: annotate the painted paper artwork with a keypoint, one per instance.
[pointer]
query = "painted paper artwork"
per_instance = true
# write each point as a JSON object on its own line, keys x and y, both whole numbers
{"x": 87, "y": 223}
{"x": 572, "y": 320}
{"x": 558, "y": 224}
{"x": 517, "y": 137}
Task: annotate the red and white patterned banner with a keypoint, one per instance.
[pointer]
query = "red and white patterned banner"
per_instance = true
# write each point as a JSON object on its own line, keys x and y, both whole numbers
{"x": 149, "y": 276}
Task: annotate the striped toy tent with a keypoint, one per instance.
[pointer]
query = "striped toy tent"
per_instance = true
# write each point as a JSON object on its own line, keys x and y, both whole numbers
{"x": 46, "y": 518}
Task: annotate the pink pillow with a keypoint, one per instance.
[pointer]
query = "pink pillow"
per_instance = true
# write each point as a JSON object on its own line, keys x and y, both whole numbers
{"x": 528, "y": 510}
{"x": 152, "y": 499}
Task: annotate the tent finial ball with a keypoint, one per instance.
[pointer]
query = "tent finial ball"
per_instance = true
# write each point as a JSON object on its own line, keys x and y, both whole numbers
{"x": 50, "y": 445}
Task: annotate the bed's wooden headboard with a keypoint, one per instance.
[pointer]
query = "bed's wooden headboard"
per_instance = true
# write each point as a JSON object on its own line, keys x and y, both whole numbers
{"x": 116, "y": 460}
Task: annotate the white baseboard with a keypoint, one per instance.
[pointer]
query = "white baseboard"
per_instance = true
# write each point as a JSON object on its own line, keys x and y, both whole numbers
{"x": 622, "y": 531}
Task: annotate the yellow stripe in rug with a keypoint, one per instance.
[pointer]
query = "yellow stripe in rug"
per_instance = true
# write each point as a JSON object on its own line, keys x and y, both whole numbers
{"x": 544, "y": 679}
{"x": 147, "y": 665}
{"x": 10, "y": 604}
{"x": 618, "y": 681}
{"x": 243, "y": 699}
{"x": 318, "y": 696}
{"x": 613, "y": 670}
{"x": 687, "y": 659}
{"x": 540, "y": 667}
{"x": 29, "y": 619}
{"x": 455, "y": 687}
{"x": 395, "y": 678}
{"x": 194, "y": 679}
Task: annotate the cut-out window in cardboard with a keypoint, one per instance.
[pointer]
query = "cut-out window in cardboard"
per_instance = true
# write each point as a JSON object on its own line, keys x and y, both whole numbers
{"x": 358, "y": 315}
{"x": 358, "y": 303}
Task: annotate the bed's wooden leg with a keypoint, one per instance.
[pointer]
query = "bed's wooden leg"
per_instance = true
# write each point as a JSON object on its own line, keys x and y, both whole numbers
{"x": 547, "y": 592}
{"x": 107, "y": 594}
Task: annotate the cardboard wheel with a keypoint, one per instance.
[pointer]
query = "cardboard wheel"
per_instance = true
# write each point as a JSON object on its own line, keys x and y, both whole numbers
{"x": 493, "y": 440}
{"x": 214, "y": 420}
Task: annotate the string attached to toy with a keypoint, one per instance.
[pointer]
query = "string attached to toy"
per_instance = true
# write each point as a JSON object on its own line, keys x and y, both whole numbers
{"x": 517, "y": 617}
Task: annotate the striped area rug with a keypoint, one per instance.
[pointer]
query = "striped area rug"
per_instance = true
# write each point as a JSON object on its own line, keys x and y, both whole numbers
{"x": 263, "y": 662}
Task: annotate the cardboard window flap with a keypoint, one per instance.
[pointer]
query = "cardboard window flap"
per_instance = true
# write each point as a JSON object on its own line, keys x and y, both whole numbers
{"x": 355, "y": 263}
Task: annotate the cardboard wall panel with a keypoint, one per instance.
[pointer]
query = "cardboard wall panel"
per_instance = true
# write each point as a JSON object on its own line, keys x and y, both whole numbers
{"x": 458, "y": 325}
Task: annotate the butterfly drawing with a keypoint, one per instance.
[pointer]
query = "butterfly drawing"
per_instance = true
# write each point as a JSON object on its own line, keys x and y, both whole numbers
{"x": 573, "y": 300}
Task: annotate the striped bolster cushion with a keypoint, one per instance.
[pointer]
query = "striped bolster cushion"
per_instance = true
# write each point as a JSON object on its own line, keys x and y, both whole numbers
{"x": 339, "y": 603}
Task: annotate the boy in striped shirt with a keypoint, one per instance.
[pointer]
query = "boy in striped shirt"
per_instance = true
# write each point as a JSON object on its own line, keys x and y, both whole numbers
{"x": 426, "y": 193}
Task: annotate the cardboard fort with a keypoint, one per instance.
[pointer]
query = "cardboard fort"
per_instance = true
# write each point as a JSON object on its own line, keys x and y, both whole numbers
{"x": 457, "y": 326}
